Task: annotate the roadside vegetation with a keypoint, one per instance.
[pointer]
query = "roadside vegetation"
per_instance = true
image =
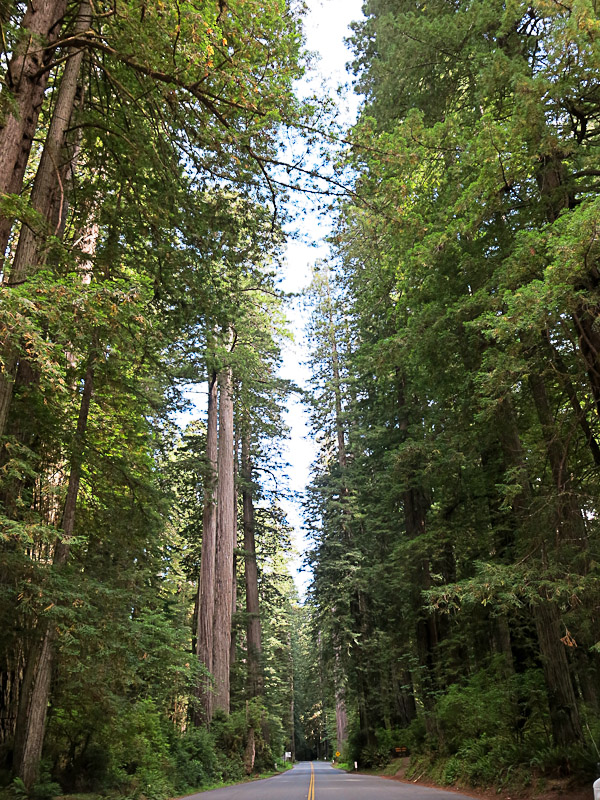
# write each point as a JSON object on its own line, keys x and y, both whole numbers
{"x": 454, "y": 506}
{"x": 147, "y": 612}
{"x": 151, "y": 638}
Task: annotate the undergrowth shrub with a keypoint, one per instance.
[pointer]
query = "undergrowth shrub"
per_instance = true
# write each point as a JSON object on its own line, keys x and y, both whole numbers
{"x": 492, "y": 730}
{"x": 196, "y": 759}
{"x": 139, "y": 753}
{"x": 142, "y": 763}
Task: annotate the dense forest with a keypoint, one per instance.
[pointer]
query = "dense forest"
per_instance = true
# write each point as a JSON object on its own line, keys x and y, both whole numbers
{"x": 152, "y": 640}
{"x": 455, "y": 346}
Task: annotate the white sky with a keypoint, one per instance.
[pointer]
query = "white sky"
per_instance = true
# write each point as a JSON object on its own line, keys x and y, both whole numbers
{"x": 326, "y": 27}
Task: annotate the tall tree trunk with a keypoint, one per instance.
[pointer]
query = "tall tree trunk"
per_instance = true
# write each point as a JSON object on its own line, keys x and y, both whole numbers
{"x": 26, "y": 81}
{"x": 224, "y": 544}
{"x": 569, "y": 523}
{"x": 571, "y": 393}
{"x": 206, "y": 583}
{"x": 253, "y": 628}
{"x": 292, "y": 700}
{"x": 35, "y": 693}
{"x": 11, "y": 679}
{"x": 566, "y": 725}
{"x": 564, "y": 715}
{"x": 341, "y": 714}
{"x": 249, "y": 751}
{"x": 415, "y": 507}
{"x": 233, "y": 645}
{"x": 46, "y": 196}
{"x": 404, "y": 697}
{"x": 233, "y": 638}
{"x": 46, "y": 186}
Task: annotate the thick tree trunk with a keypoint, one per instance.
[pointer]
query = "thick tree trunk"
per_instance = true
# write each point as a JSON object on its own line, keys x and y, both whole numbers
{"x": 293, "y": 732}
{"x": 404, "y": 698}
{"x": 35, "y": 693}
{"x": 233, "y": 641}
{"x": 569, "y": 522}
{"x": 341, "y": 714}
{"x": 566, "y": 726}
{"x": 11, "y": 679}
{"x": 233, "y": 644}
{"x": 415, "y": 507}
{"x": 341, "y": 717}
{"x": 253, "y": 627}
{"x": 224, "y": 545}
{"x": 427, "y": 640}
{"x": 564, "y": 716}
{"x": 503, "y": 644}
{"x": 33, "y": 706}
{"x": 249, "y": 752}
{"x": 206, "y": 583}
{"x": 46, "y": 191}
{"x": 26, "y": 81}
{"x": 292, "y": 701}
{"x": 360, "y": 612}
{"x": 47, "y": 196}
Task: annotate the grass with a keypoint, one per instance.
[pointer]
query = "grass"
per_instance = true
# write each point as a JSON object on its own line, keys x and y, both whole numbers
{"x": 7, "y": 793}
{"x": 392, "y": 768}
{"x": 389, "y": 770}
{"x": 223, "y": 784}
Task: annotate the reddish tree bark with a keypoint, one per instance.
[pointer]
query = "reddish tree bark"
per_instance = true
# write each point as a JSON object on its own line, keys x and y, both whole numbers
{"x": 26, "y": 81}
{"x": 33, "y": 705}
{"x": 47, "y": 198}
{"x": 206, "y": 584}
{"x": 253, "y": 627}
{"x": 564, "y": 716}
{"x": 226, "y": 526}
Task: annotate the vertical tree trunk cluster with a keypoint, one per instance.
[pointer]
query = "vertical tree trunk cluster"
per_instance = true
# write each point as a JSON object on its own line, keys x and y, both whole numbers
{"x": 35, "y": 692}
{"x": 27, "y": 79}
{"x": 217, "y": 584}
{"x": 206, "y": 583}
{"x": 47, "y": 199}
{"x": 253, "y": 626}
{"x": 225, "y": 545}
{"x": 219, "y": 535}
{"x": 22, "y": 98}
{"x": 90, "y": 135}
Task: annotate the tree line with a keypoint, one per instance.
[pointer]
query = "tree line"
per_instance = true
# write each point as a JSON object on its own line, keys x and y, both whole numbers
{"x": 151, "y": 640}
{"x": 146, "y": 607}
{"x": 455, "y": 348}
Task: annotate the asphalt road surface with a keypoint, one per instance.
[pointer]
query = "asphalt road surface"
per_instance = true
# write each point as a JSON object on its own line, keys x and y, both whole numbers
{"x": 316, "y": 780}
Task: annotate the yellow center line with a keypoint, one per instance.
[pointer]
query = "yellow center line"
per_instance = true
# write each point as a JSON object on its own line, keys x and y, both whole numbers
{"x": 311, "y": 787}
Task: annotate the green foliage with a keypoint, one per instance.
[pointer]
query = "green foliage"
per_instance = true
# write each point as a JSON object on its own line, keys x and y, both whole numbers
{"x": 454, "y": 577}
{"x": 19, "y": 790}
{"x": 166, "y": 233}
{"x": 196, "y": 760}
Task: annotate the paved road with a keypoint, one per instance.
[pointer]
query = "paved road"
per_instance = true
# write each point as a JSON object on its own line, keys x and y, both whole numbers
{"x": 316, "y": 780}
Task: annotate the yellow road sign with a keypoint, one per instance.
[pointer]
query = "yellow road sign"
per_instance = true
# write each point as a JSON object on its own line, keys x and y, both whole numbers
{"x": 338, "y": 754}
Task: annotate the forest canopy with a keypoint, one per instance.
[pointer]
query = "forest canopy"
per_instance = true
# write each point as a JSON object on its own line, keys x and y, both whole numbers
{"x": 152, "y": 640}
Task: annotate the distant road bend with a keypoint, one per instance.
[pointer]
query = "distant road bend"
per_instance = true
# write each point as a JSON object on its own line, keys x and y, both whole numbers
{"x": 316, "y": 780}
